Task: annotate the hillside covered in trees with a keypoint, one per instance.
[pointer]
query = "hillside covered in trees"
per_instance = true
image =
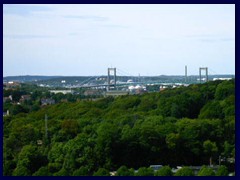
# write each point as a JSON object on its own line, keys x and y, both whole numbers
{"x": 181, "y": 126}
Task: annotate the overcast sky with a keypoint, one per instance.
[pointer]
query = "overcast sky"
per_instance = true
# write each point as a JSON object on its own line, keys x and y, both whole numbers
{"x": 75, "y": 40}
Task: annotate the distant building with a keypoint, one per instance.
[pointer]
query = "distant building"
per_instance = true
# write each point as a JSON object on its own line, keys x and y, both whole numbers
{"x": 91, "y": 92}
{"x": 116, "y": 93}
{"x": 25, "y": 98}
{"x": 202, "y": 79}
{"x": 47, "y": 101}
{"x": 64, "y": 100}
{"x": 215, "y": 79}
{"x": 130, "y": 81}
{"x": 162, "y": 87}
{"x": 6, "y": 113}
{"x": 62, "y": 91}
{"x": 11, "y": 85}
{"x": 140, "y": 91}
{"x": 5, "y": 99}
{"x": 156, "y": 167}
{"x": 100, "y": 79}
{"x": 137, "y": 89}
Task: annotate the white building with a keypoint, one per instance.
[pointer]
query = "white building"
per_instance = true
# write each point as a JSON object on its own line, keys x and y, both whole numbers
{"x": 62, "y": 91}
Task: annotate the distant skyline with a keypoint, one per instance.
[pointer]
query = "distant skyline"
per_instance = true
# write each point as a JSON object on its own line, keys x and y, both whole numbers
{"x": 150, "y": 40}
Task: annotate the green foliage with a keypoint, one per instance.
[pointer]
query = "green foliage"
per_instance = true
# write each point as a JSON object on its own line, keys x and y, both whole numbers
{"x": 184, "y": 171}
{"x": 124, "y": 171}
{"x": 101, "y": 172}
{"x": 172, "y": 140}
{"x": 126, "y": 102}
{"x": 16, "y": 95}
{"x": 30, "y": 158}
{"x": 16, "y": 109}
{"x": 6, "y": 106}
{"x": 225, "y": 89}
{"x": 135, "y": 131}
{"x": 131, "y": 172}
{"x": 143, "y": 171}
{"x": 206, "y": 171}
{"x": 21, "y": 171}
{"x": 43, "y": 171}
{"x": 147, "y": 103}
{"x": 56, "y": 153}
{"x": 209, "y": 147}
{"x": 222, "y": 171}
{"x": 62, "y": 172}
{"x": 54, "y": 167}
{"x": 82, "y": 171}
{"x": 228, "y": 149}
{"x": 228, "y": 105}
{"x": 211, "y": 110}
{"x": 164, "y": 171}
{"x": 8, "y": 166}
{"x": 70, "y": 127}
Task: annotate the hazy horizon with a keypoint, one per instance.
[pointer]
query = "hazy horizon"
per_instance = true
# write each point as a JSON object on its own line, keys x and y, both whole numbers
{"x": 150, "y": 40}
{"x": 203, "y": 74}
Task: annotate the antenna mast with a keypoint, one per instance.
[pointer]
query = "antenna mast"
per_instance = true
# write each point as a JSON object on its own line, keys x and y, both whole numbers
{"x": 46, "y": 127}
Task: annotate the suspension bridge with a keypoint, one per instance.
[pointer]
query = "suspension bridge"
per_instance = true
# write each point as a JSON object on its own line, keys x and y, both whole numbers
{"x": 119, "y": 79}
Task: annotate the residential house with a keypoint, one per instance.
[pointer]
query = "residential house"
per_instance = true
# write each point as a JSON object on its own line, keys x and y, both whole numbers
{"x": 11, "y": 85}
{"x": 91, "y": 92}
{"x": 25, "y": 98}
{"x": 5, "y": 99}
{"x": 47, "y": 101}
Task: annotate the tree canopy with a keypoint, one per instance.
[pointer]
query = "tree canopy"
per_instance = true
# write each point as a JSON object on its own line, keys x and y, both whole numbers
{"x": 181, "y": 126}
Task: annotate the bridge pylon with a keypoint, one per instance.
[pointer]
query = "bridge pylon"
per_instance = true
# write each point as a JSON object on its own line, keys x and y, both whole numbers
{"x": 200, "y": 73}
{"x": 109, "y": 78}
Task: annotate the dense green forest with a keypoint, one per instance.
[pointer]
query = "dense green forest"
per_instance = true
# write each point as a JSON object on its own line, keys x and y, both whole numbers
{"x": 182, "y": 126}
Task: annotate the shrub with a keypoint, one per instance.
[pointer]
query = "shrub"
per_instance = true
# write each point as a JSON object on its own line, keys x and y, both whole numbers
{"x": 185, "y": 171}
{"x": 143, "y": 171}
{"x": 164, "y": 171}
{"x": 206, "y": 171}
{"x": 222, "y": 171}
{"x": 101, "y": 172}
{"x": 124, "y": 171}
{"x": 82, "y": 171}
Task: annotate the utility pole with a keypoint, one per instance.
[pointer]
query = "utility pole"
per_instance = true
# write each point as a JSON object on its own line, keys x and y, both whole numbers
{"x": 46, "y": 127}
